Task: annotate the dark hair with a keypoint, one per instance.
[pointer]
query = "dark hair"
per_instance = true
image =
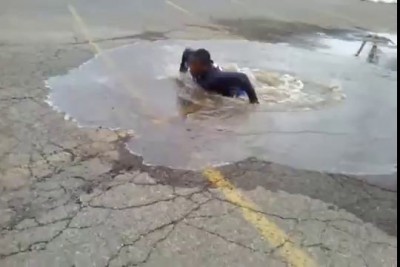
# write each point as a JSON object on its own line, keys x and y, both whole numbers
{"x": 203, "y": 56}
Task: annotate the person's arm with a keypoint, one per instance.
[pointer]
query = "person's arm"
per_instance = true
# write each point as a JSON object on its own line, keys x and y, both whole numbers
{"x": 184, "y": 61}
{"x": 223, "y": 81}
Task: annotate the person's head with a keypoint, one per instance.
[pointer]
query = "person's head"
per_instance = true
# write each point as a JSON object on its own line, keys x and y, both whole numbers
{"x": 200, "y": 62}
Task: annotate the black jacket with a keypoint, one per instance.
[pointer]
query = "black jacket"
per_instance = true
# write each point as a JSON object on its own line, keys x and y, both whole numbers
{"x": 221, "y": 82}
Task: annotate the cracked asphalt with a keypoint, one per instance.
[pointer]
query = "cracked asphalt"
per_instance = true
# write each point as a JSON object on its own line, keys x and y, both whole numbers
{"x": 76, "y": 197}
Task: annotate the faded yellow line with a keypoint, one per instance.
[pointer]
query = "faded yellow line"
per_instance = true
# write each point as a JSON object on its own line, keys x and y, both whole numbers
{"x": 271, "y": 232}
{"x": 95, "y": 47}
{"x": 179, "y": 8}
{"x": 187, "y": 12}
{"x": 97, "y": 50}
{"x": 84, "y": 29}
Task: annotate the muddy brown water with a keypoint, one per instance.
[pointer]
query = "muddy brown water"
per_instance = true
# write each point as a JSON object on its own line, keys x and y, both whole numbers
{"x": 321, "y": 109}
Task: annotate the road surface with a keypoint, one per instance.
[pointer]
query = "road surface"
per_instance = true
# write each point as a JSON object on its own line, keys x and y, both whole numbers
{"x": 76, "y": 197}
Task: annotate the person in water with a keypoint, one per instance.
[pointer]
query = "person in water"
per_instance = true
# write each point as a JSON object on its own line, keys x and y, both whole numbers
{"x": 212, "y": 79}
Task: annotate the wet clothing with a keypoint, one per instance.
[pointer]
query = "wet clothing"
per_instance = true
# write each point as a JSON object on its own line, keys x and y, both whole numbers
{"x": 229, "y": 84}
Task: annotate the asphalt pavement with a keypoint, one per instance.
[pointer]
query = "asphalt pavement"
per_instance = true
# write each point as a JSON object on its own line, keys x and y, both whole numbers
{"x": 73, "y": 196}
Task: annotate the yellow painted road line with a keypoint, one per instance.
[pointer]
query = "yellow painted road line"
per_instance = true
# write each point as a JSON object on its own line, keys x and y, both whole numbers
{"x": 271, "y": 232}
{"x": 179, "y": 8}
{"x": 110, "y": 63}
{"x": 187, "y": 12}
{"x": 95, "y": 47}
{"x": 84, "y": 29}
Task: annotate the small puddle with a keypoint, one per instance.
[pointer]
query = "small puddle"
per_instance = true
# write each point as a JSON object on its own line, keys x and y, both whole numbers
{"x": 322, "y": 109}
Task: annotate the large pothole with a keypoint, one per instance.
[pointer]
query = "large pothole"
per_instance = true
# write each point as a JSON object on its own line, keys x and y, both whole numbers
{"x": 303, "y": 120}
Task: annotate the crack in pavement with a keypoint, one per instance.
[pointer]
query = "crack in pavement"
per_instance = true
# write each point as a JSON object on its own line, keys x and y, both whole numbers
{"x": 172, "y": 223}
{"x": 19, "y": 98}
{"x": 226, "y": 239}
{"x": 146, "y": 35}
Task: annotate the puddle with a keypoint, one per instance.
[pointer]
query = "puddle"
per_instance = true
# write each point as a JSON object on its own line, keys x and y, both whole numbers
{"x": 304, "y": 119}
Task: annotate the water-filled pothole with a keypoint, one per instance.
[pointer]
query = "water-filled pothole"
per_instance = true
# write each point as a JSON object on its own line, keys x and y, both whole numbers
{"x": 303, "y": 120}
